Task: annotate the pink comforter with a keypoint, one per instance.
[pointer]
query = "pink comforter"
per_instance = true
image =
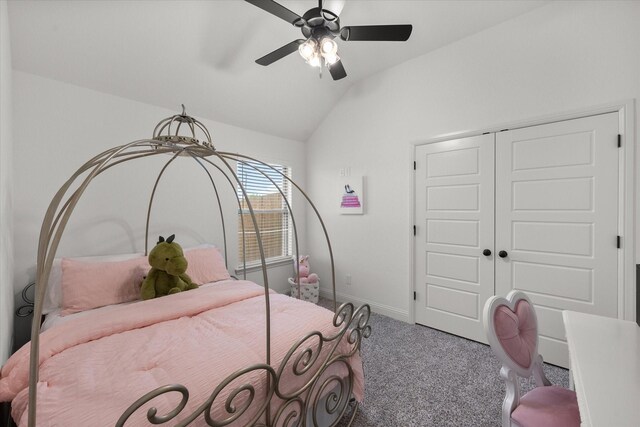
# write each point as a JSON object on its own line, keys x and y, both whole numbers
{"x": 93, "y": 367}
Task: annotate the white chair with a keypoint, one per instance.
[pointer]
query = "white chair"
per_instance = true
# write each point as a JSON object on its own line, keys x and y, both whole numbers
{"x": 512, "y": 330}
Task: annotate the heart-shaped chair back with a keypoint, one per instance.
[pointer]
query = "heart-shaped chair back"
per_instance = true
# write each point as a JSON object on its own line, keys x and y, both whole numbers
{"x": 512, "y": 330}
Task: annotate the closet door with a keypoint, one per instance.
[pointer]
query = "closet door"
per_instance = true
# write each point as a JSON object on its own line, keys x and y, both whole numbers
{"x": 557, "y": 221}
{"x": 454, "y": 219}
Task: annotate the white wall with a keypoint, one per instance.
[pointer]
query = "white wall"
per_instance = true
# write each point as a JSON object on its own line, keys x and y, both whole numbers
{"x": 561, "y": 57}
{"x": 58, "y": 127}
{"x": 6, "y": 192}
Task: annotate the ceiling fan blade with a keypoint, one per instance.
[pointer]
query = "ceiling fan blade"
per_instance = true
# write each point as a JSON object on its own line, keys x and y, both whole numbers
{"x": 337, "y": 70}
{"x": 276, "y": 9}
{"x": 393, "y": 33}
{"x": 280, "y": 53}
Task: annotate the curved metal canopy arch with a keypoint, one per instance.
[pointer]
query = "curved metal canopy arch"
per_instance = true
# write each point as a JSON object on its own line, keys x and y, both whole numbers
{"x": 196, "y": 144}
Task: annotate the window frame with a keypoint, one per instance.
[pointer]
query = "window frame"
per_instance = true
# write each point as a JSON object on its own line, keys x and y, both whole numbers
{"x": 287, "y": 232}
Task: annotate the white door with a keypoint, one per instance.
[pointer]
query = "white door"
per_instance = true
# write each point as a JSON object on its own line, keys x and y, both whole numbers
{"x": 557, "y": 221}
{"x": 454, "y": 223}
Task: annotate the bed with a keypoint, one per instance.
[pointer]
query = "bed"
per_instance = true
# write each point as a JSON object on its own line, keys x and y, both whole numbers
{"x": 230, "y": 352}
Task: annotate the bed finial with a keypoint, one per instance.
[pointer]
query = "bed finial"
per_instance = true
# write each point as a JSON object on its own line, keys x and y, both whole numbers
{"x": 168, "y": 131}
{"x": 170, "y": 238}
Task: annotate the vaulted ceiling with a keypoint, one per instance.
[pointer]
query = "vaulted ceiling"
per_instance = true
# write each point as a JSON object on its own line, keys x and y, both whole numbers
{"x": 202, "y": 53}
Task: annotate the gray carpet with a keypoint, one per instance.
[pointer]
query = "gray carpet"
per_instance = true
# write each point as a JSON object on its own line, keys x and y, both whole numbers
{"x": 418, "y": 376}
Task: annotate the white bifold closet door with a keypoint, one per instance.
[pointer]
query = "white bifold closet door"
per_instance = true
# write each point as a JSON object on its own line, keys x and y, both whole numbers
{"x": 557, "y": 219}
{"x": 454, "y": 216}
{"x": 544, "y": 201}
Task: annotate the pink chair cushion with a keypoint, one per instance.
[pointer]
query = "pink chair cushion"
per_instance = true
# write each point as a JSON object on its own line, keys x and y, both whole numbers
{"x": 550, "y": 406}
{"x": 517, "y": 332}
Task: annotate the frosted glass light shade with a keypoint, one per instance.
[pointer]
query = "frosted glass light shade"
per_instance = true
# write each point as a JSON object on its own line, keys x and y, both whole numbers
{"x": 315, "y": 61}
{"x": 308, "y": 49}
{"x": 331, "y": 59}
{"x": 328, "y": 47}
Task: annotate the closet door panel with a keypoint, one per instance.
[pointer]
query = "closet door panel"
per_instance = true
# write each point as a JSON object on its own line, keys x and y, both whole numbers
{"x": 557, "y": 218}
{"x": 454, "y": 219}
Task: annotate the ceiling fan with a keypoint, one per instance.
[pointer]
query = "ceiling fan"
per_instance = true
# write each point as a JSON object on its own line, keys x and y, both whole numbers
{"x": 319, "y": 27}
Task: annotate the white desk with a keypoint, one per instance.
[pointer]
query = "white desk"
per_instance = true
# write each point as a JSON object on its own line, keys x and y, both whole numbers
{"x": 605, "y": 364}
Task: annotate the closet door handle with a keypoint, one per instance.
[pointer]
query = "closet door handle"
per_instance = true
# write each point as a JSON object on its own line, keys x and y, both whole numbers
{"x": 502, "y": 254}
{"x": 486, "y": 252}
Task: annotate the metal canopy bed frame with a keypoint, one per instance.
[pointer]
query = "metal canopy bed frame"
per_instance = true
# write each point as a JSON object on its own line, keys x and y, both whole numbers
{"x": 351, "y": 324}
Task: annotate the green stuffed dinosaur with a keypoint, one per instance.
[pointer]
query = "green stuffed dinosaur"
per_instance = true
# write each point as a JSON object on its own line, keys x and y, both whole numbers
{"x": 167, "y": 274}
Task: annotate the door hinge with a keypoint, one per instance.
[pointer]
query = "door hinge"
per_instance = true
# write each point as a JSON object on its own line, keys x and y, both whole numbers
{"x": 619, "y": 243}
{"x": 414, "y": 165}
{"x": 415, "y": 296}
{"x": 414, "y": 230}
{"x": 619, "y": 140}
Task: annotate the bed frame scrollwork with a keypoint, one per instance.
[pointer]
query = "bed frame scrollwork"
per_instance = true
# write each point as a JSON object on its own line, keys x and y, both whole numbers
{"x": 256, "y": 395}
{"x": 293, "y": 406}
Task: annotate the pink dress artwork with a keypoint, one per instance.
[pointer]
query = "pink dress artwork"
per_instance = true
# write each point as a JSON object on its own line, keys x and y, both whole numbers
{"x": 349, "y": 198}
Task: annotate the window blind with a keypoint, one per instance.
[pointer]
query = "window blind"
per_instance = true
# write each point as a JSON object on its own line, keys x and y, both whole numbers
{"x": 270, "y": 210}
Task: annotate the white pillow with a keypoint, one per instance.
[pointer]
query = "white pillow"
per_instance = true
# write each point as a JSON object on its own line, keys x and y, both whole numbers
{"x": 53, "y": 294}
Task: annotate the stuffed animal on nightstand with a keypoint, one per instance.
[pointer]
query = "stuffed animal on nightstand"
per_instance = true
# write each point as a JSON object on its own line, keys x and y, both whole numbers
{"x": 305, "y": 276}
{"x": 168, "y": 270}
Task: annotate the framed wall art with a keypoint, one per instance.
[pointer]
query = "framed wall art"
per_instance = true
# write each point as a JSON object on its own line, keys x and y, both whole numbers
{"x": 351, "y": 195}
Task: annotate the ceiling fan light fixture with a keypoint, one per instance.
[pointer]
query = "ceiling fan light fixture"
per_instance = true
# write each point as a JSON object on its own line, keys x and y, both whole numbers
{"x": 328, "y": 47}
{"x": 308, "y": 49}
{"x": 331, "y": 59}
{"x": 315, "y": 61}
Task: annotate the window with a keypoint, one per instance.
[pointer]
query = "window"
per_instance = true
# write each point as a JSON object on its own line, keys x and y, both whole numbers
{"x": 270, "y": 210}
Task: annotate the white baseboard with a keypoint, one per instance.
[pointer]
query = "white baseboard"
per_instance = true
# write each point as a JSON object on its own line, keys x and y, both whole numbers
{"x": 375, "y": 307}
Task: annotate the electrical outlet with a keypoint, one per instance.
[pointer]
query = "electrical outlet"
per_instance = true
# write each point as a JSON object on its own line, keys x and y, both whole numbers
{"x": 347, "y": 280}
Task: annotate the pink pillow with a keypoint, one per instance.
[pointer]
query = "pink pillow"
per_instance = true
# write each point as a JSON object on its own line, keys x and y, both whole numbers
{"x": 206, "y": 265}
{"x": 87, "y": 285}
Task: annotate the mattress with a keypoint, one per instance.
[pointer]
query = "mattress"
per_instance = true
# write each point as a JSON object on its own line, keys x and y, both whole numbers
{"x": 94, "y": 364}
